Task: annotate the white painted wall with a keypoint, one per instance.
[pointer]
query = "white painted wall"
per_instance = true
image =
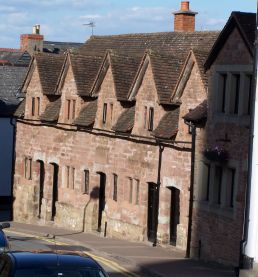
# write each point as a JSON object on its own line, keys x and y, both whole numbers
{"x": 6, "y": 150}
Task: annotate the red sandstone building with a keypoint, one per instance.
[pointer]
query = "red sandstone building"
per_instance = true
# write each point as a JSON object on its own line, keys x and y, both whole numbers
{"x": 102, "y": 142}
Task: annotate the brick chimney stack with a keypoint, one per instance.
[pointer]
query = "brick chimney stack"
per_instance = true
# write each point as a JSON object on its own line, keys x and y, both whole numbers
{"x": 32, "y": 42}
{"x": 184, "y": 20}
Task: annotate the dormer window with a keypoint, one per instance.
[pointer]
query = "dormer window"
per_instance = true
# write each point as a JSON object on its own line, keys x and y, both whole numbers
{"x": 148, "y": 118}
{"x": 70, "y": 109}
{"x": 151, "y": 118}
{"x": 104, "y": 114}
{"x": 35, "y": 106}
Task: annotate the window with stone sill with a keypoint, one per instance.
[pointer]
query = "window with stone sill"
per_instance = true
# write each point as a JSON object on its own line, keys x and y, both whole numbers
{"x": 233, "y": 93}
{"x": 218, "y": 184}
{"x": 28, "y": 168}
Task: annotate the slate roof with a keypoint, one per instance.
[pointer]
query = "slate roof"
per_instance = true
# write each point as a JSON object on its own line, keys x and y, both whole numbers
{"x": 173, "y": 43}
{"x": 166, "y": 71}
{"x": 125, "y": 121}
{"x": 49, "y": 67}
{"x": 168, "y": 125}
{"x": 85, "y": 69}
{"x": 87, "y": 114}
{"x": 15, "y": 56}
{"x": 198, "y": 114}
{"x": 246, "y": 24}
{"x": 124, "y": 69}
{"x": 19, "y": 112}
{"x": 52, "y": 111}
{"x": 56, "y": 47}
{"x": 11, "y": 78}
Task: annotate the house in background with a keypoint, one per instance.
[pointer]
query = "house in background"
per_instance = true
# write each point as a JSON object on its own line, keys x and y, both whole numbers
{"x": 13, "y": 69}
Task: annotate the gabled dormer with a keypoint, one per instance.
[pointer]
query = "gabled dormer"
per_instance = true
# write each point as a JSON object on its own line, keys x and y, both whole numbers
{"x": 191, "y": 87}
{"x": 152, "y": 89}
{"x": 40, "y": 83}
{"x": 75, "y": 84}
{"x": 112, "y": 87}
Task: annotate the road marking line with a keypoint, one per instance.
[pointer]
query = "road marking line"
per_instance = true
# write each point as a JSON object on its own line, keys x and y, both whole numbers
{"x": 109, "y": 263}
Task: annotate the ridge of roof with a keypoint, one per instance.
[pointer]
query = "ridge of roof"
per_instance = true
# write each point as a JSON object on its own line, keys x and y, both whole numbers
{"x": 152, "y": 33}
{"x": 11, "y": 50}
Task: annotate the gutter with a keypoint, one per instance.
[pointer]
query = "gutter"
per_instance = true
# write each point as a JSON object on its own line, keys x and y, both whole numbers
{"x": 191, "y": 190}
{"x": 156, "y": 198}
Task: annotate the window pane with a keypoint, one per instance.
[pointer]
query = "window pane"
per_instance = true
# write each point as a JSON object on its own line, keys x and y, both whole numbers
{"x": 73, "y": 115}
{"x": 235, "y": 92}
{"x": 68, "y": 109}
{"x": 231, "y": 186}
{"x": 145, "y": 117}
{"x": 38, "y": 105}
{"x": 67, "y": 176}
{"x": 33, "y": 106}
{"x": 86, "y": 181}
{"x": 130, "y": 190}
{"x": 115, "y": 187}
{"x": 151, "y": 117}
{"x": 137, "y": 192}
{"x": 222, "y": 93}
{"x": 218, "y": 184}
{"x": 104, "y": 115}
{"x": 206, "y": 182}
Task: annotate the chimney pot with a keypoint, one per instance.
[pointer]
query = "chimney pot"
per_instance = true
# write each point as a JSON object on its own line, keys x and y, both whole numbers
{"x": 185, "y": 6}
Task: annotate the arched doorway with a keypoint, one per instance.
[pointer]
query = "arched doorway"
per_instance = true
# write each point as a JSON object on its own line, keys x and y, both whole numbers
{"x": 102, "y": 188}
{"x": 55, "y": 189}
{"x": 174, "y": 214}
{"x": 41, "y": 185}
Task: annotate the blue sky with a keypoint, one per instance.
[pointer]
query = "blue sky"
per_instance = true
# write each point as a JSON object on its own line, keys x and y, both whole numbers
{"x": 62, "y": 20}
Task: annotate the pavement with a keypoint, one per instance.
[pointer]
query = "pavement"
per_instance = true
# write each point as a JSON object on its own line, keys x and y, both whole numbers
{"x": 139, "y": 258}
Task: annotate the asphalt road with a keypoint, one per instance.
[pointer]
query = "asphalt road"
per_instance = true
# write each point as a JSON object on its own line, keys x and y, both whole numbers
{"x": 30, "y": 243}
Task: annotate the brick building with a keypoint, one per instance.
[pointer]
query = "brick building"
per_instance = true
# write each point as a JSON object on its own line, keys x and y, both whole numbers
{"x": 221, "y": 160}
{"x": 101, "y": 134}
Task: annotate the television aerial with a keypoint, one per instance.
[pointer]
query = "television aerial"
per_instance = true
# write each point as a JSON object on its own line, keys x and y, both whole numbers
{"x": 92, "y": 25}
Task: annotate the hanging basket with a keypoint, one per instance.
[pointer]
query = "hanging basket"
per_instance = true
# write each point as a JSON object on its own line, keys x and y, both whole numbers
{"x": 216, "y": 154}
